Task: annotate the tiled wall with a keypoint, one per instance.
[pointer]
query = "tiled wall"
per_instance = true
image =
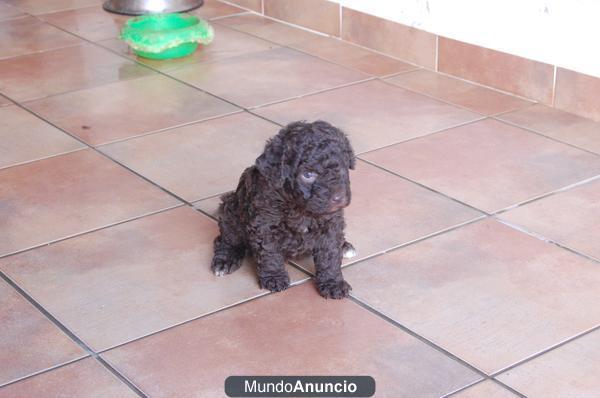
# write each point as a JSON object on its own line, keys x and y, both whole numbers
{"x": 548, "y": 84}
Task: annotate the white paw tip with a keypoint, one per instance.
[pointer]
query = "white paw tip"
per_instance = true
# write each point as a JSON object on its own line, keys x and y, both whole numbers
{"x": 349, "y": 253}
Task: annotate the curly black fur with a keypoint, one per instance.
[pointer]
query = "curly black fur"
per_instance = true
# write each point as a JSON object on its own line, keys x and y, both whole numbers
{"x": 290, "y": 203}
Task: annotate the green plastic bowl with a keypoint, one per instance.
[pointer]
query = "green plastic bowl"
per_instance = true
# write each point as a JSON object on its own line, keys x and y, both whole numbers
{"x": 165, "y": 36}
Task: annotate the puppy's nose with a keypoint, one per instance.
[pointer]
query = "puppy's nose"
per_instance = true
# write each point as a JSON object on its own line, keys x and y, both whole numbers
{"x": 338, "y": 198}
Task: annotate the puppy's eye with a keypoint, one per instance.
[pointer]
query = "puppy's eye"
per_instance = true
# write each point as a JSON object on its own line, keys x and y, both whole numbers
{"x": 309, "y": 176}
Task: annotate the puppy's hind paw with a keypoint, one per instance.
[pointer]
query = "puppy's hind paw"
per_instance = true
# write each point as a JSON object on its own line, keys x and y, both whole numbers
{"x": 348, "y": 251}
{"x": 275, "y": 283}
{"x": 223, "y": 265}
{"x": 334, "y": 289}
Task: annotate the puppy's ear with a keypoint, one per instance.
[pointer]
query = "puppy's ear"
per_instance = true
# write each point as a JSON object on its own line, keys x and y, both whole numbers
{"x": 271, "y": 164}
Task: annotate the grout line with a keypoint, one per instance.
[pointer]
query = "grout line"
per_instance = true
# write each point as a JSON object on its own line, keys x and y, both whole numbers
{"x": 262, "y": 293}
{"x": 341, "y": 20}
{"x": 442, "y": 130}
{"x": 526, "y": 106}
{"x": 407, "y": 330}
{"x": 437, "y": 53}
{"x": 89, "y": 352}
{"x": 509, "y": 388}
{"x": 343, "y": 85}
{"x": 484, "y": 376}
{"x": 414, "y": 241}
{"x": 51, "y": 242}
{"x": 496, "y": 381}
{"x": 546, "y": 350}
{"x": 281, "y": 21}
{"x": 386, "y": 80}
{"x": 427, "y": 187}
{"x": 120, "y": 376}
{"x": 46, "y": 49}
{"x": 41, "y": 372}
{"x": 295, "y": 47}
{"x": 500, "y": 119}
{"x": 238, "y": 6}
{"x": 404, "y": 72}
{"x": 488, "y": 87}
{"x": 543, "y": 238}
{"x": 465, "y": 387}
{"x": 42, "y": 158}
{"x": 547, "y": 194}
{"x": 554, "y": 87}
{"x": 165, "y": 129}
{"x": 25, "y": 14}
{"x": 236, "y": 14}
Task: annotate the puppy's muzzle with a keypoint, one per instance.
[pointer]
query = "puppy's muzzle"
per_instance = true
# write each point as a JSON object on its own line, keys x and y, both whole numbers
{"x": 338, "y": 200}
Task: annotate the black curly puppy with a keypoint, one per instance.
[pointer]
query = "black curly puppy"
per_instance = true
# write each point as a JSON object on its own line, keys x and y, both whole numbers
{"x": 290, "y": 203}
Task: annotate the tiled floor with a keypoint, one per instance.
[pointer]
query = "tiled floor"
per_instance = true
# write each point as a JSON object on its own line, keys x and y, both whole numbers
{"x": 475, "y": 215}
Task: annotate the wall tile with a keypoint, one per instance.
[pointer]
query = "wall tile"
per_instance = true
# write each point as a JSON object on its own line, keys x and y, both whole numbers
{"x": 404, "y": 42}
{"x": 521, "y": 76}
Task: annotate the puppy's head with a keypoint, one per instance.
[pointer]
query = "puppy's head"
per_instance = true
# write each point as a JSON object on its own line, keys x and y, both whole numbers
{"x": 310, "y": 163}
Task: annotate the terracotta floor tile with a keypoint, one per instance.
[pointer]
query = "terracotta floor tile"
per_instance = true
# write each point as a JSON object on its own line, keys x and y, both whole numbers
{"x": 214, "y": 9}
{"x": 57, "y": 197}
{"x": 227, "y": 43}
{"x": 488, "y": 164}
{"x": 568, "y": 371}
{"x": 373, "y": 114}
{"x": 387, "y": 211}
{"x": 154, "y": 273}
{"x": 277, "y": 75}
{"x": 199, "y": 160}
{"x": 9, "y": 12}
{"x": 562, "y": 126}
{"x": 82, "y": 379}
{"x": 37, "y": 7}
{"x": 92, "y": 23}
{"x": 29, "y": 342}
{"x": 294, "y": 332}
{"x": 476, "y": 291}
{"x": 67, "y": 69}
{"x": 485, "y": 389}
{"x": 28, "y": 35}
{"x": 267, "y": 29}
{"x": 24, "y": 137}
{"x": 352, "y": 56}
{"x": 125, "y": 109}
{"x": 459, "y": 92}
{"x": 571, "y": 218}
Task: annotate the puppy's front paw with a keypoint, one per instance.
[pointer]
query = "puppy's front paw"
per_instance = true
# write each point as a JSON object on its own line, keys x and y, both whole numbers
{"x": 348, "y": 251}
{"x": 275, "y": 283}
{"x": 334, "y": 289}
{"x": 223, "y": 265}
